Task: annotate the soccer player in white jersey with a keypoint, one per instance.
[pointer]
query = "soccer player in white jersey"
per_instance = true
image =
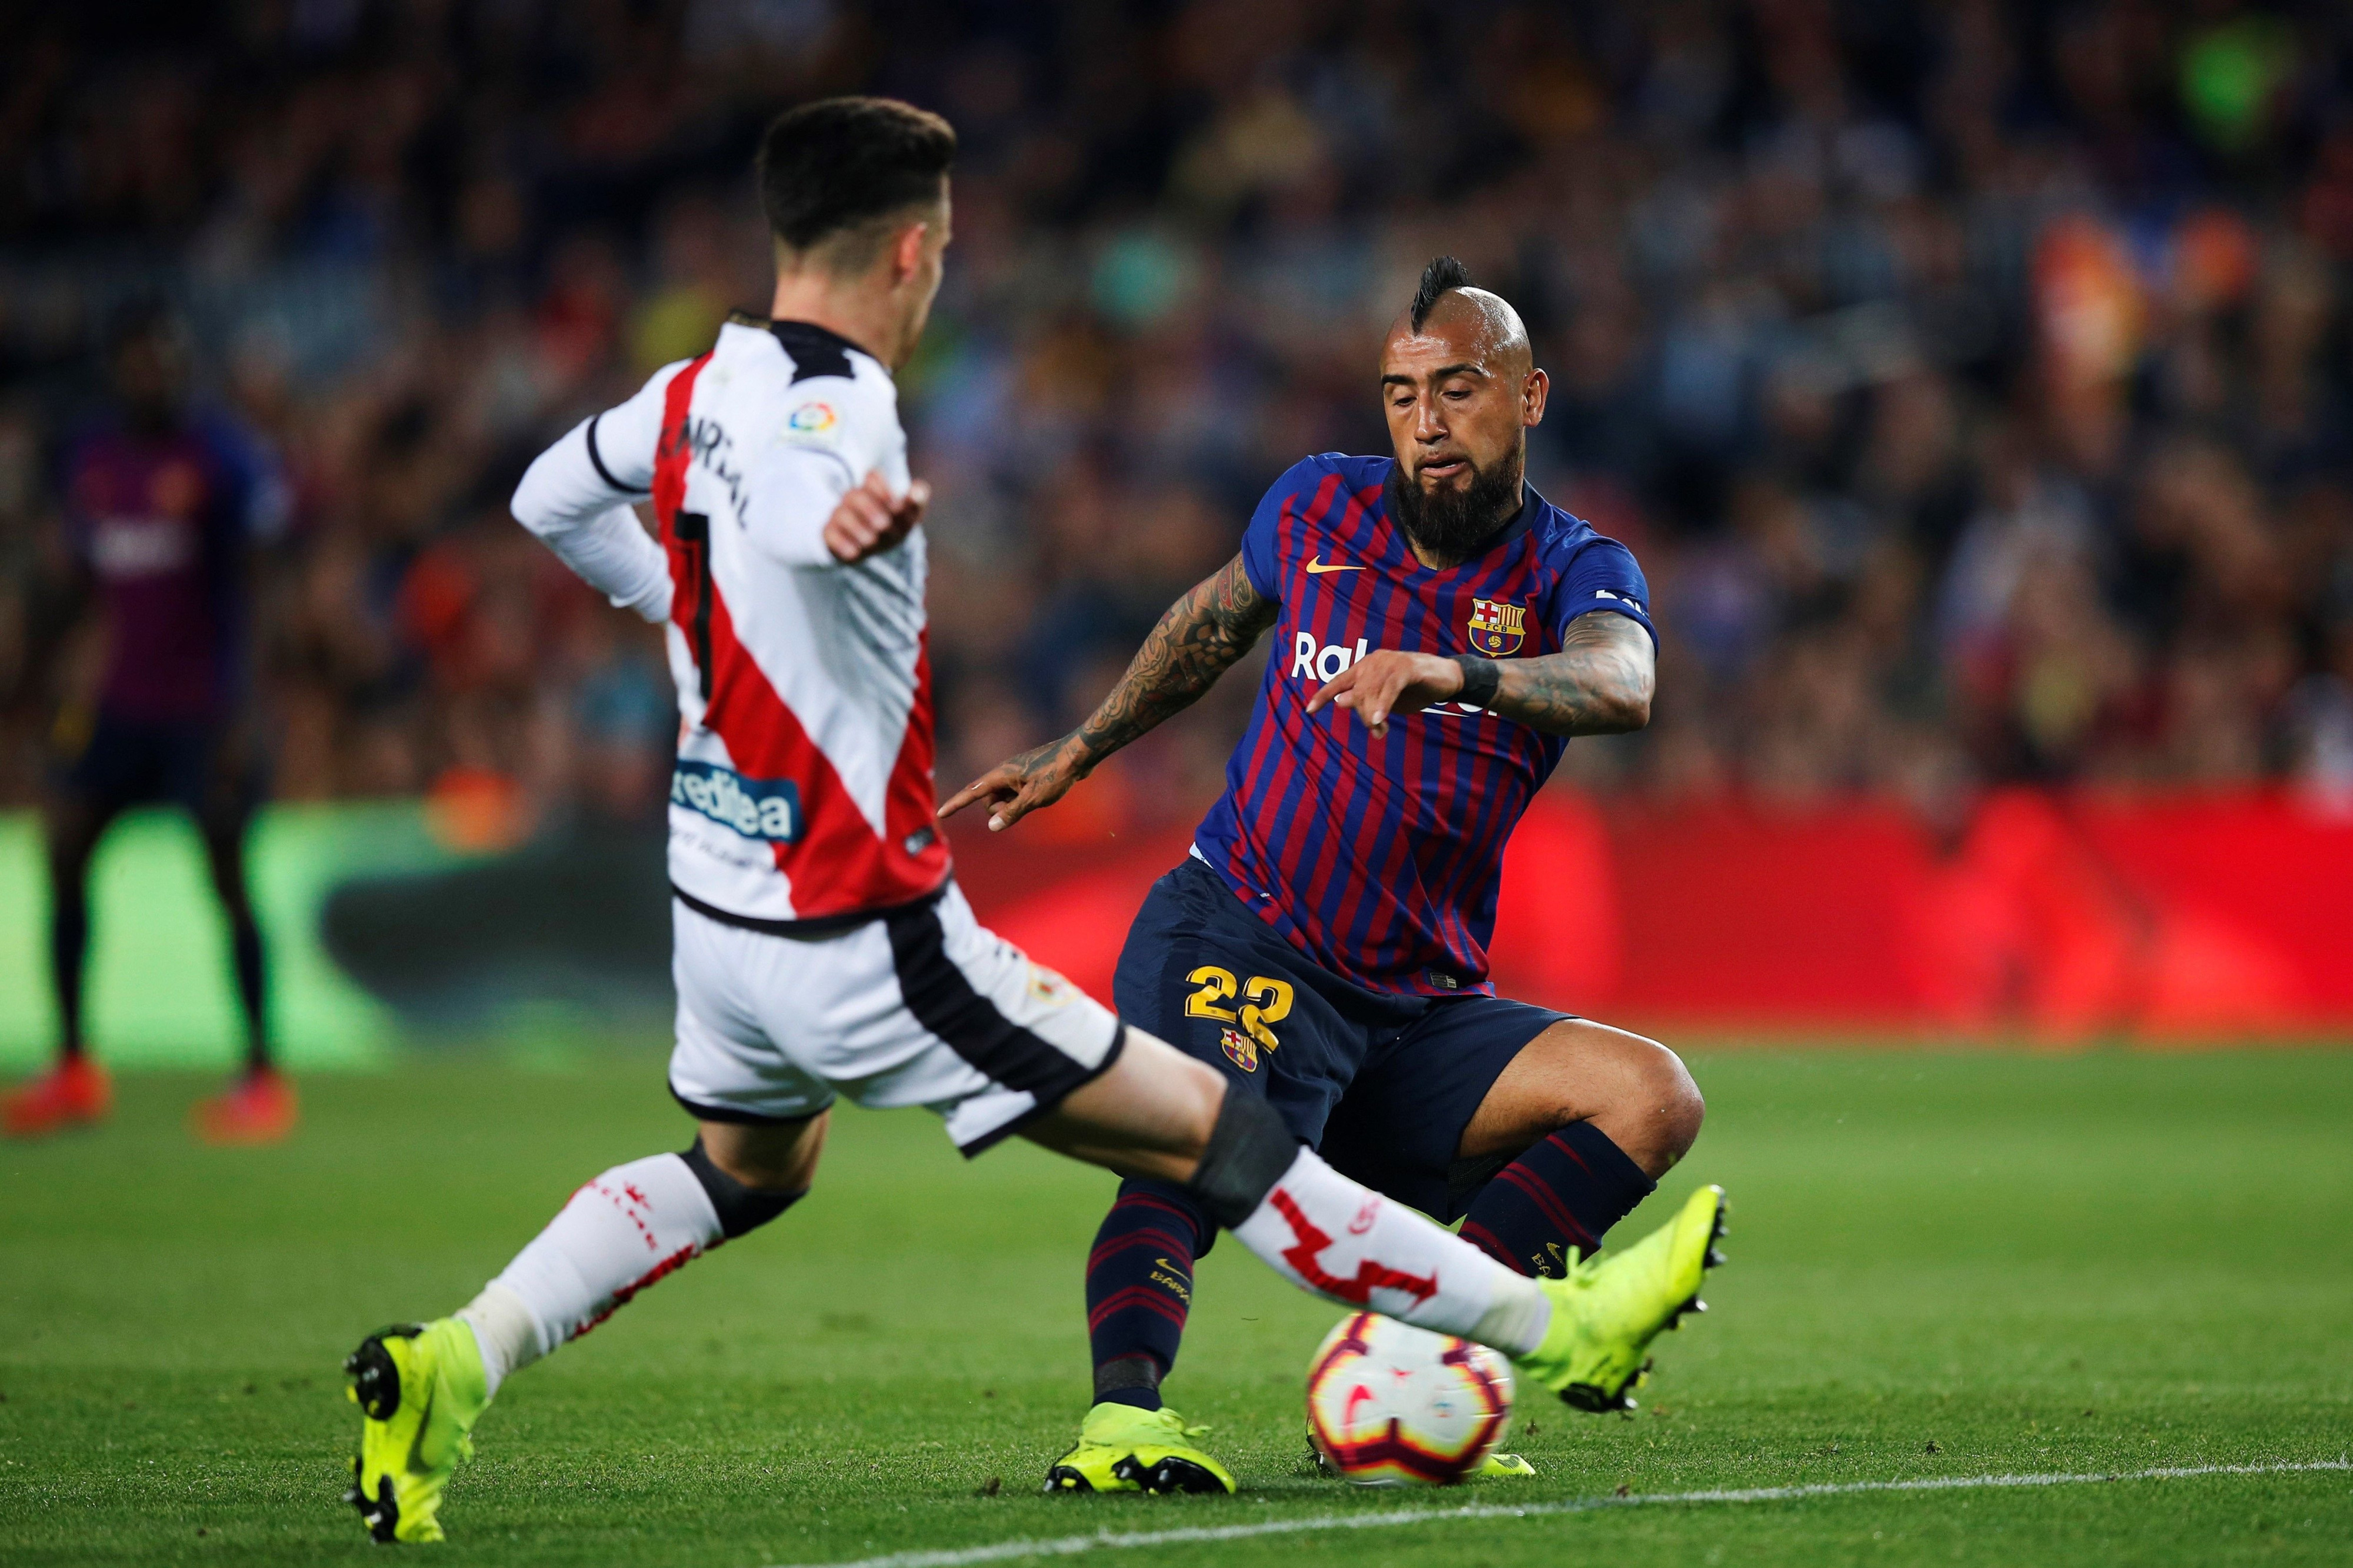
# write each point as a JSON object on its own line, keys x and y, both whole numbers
{"x": 820, "y": 945}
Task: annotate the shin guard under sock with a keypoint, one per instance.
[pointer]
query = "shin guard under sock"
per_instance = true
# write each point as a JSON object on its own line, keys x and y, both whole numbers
{"x": 1563, "y": 1193}
{"x": 1348, "y": 1243}
{"x": 1140, "y": 1289}
{"x": 621, "y": 1232}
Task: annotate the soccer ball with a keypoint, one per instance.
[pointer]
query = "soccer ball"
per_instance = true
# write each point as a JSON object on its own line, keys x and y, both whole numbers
{"x": 1393, "y": 1405}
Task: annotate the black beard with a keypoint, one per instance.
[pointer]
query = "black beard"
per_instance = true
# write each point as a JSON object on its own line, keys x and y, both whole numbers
{"x": 1452, "y": 524}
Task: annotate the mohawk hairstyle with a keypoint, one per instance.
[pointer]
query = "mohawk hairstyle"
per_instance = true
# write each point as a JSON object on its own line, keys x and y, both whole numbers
{"x": 1441, "y": 276}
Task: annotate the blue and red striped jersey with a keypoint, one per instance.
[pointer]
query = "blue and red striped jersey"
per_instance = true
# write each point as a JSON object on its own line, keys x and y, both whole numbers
{"x": 1379, "y": 858}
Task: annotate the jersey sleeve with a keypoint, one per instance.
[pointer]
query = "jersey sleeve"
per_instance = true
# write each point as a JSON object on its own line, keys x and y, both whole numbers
{"x": 621, "y": 442}
{"x": 576, "y": 497}
{"x": 1603, "y": 576}
{"x": 1262, "y": 554}
{"x": 831, "y": 433}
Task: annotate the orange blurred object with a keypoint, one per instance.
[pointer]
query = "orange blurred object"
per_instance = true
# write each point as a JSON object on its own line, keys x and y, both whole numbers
{"x": 476, "y": 810}
{"x": 2087, "y": 301}
{"x": 260, "y": 1108}
{"x": 74, "y": 1093}
{"x": 2215, "y": 259}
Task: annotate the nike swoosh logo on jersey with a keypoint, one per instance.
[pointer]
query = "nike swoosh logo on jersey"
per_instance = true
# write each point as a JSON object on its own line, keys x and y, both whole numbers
{"x": 1316, "y": 568}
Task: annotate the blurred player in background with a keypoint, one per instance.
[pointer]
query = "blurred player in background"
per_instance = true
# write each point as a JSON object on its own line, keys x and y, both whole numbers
{"x": 164, "y": 508}
{"x": 1325, "y": 946}
{"x": 819, "y": 942}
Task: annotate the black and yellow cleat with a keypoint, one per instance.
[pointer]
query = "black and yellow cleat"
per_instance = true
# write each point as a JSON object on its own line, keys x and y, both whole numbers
{"x": 1607, "y": 1311}
{"x": 1123, "y": 1449}
{"x": 420, "y": 1389}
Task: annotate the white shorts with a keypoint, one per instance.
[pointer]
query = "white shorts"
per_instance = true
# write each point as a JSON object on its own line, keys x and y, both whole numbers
{"x": 920, "y": 1006}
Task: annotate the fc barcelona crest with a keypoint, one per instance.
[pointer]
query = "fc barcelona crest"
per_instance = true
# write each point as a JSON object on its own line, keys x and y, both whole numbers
{"x": 1497, "y": 629}
{"x": 1240, "y": 1049}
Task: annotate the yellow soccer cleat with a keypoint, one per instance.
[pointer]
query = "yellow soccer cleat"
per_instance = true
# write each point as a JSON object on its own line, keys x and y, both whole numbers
{"x": 421, "y": 1390}
{"x": 1123, "y": 1449}
{"x": 1607, "y": 1310}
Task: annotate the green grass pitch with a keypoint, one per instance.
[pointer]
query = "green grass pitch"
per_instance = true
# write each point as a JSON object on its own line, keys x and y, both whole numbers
{"x": 1942, "y": 1265}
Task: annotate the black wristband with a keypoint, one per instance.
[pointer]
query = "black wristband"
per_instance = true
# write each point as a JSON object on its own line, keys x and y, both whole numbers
{"x": 1480, "y": 678}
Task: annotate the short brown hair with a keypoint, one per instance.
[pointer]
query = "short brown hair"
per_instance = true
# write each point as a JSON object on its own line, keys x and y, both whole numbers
{"x": 838, "y": 165}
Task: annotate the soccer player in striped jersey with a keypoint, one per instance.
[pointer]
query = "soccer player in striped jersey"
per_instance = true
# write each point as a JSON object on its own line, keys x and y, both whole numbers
{"x": 1440, "y": 632}
{"x": 822, "y": 946}
{"x": 168, "y": 508}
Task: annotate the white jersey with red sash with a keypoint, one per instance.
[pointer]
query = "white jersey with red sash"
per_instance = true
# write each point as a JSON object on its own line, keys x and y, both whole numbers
{"x": 817, "y": 940}
{"x": 803, "y": 789}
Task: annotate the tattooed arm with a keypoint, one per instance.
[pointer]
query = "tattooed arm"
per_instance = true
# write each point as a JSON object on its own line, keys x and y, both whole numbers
{"x": 1600, "y": 683}
{"x": 1199, "y": 638}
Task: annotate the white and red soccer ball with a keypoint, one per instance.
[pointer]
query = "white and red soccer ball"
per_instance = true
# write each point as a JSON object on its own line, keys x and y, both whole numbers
{"x": 1389, "y": 1405}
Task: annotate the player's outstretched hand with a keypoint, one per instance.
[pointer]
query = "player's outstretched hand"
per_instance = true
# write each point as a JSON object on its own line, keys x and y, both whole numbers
{"x": 1386, "y": 682}
{"x": 870, "y": 520}
{"x": 1038, "y": 777}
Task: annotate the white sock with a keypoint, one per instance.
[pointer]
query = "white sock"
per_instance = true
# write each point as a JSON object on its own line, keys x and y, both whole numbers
{"x": 505, "y": 1331}
{"x": 619, "y": 1234}
{"x": 1348, "y": 1243}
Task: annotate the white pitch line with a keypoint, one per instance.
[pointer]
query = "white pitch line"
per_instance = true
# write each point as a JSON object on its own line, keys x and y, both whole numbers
{"x": 1104, "y": 1541}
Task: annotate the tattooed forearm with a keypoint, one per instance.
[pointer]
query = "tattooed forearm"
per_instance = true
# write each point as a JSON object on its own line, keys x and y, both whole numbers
{"x": 1201, "y": 638}
{"x": 1600, "y": 683}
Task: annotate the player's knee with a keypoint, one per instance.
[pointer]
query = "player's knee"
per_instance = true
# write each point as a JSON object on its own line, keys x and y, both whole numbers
{"x": 1670, "y": 1102}
{"x": 1248, "y": 1152}
{"x": 748, "y": 1195}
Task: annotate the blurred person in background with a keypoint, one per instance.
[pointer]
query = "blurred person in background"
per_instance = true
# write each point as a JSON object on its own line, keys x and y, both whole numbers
{"x": 164, "y": 506}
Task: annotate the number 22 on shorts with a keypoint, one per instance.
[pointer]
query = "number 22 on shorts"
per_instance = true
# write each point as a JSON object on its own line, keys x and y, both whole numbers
{"x": 1266, "y": 1001}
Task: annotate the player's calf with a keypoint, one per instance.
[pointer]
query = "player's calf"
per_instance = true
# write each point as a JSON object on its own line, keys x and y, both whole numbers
{"x": 1140, "y": 1289}
{"x": 1576, "y": 1131}
{"x": 622, "y": 1232}
{"x": 421, "y": 1388}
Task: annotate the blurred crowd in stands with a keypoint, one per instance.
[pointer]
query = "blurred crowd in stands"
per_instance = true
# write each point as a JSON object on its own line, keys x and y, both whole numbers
{"x": 1971, "y": 379}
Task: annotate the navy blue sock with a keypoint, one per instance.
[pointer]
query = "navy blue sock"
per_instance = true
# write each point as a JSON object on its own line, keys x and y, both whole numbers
{"x": 1140, "y": 1289}
{"x": 244, "y": 948}
{"x": 1566, "y": 1192}
{"x": 68, "y": 950}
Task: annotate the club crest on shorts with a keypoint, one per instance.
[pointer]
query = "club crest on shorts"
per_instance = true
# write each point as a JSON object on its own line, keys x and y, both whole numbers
{"x": 1240, "y": 1049}
{"x": 1497, "y": 629}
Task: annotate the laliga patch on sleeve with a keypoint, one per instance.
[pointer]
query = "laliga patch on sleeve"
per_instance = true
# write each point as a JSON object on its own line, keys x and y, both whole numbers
{"x": 813, "y": 424}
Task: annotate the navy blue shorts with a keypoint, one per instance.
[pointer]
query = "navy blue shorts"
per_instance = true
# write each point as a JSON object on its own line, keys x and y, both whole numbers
{"x": 1382, "y": 1086}
{"x": 132, "y": 761}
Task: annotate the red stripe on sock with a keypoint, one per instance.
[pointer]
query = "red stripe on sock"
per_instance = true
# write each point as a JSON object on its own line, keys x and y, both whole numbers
{"x": 1305, "y": 1254}
{"x": 1486, "y": 1241}
{"x": 622, "y": 1297}
{"x": 1144, "y": 1296}
{"x": 1157, "y": 1240}
{"x": 1548, "y": 1204}
{"x": 1566, "y": 1147}
{"x": 1147, "y": 1201}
